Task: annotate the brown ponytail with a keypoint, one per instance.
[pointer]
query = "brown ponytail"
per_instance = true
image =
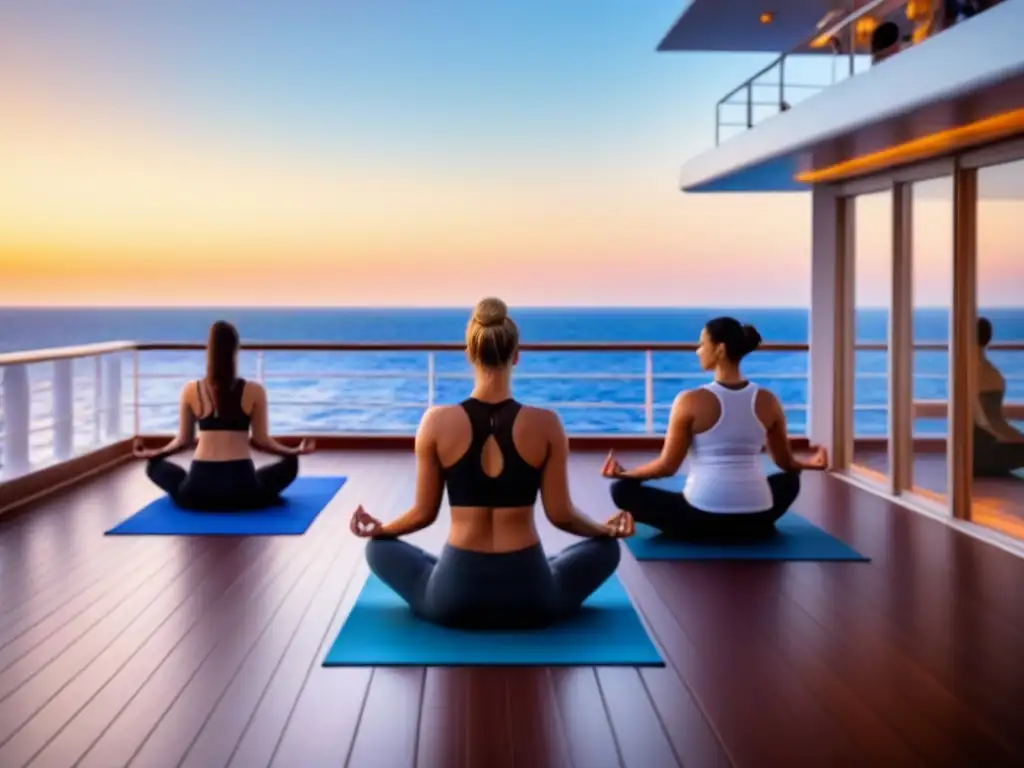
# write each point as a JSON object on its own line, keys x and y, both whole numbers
{"x": 221, "y": 371}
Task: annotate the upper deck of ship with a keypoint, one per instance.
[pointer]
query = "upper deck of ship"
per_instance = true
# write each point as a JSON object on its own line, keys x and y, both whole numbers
{"x": 164, "y": 651}
{"x": 787, "y": 128}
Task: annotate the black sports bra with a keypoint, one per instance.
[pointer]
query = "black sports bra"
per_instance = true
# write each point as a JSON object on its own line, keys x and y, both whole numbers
{"x": 468, "y": 485}
{"x": 236, "y": 420}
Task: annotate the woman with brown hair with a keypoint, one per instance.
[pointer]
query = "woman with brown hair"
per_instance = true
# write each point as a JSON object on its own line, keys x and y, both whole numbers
{"x": 222, "y": 476}
{"x": 494, "y": 455}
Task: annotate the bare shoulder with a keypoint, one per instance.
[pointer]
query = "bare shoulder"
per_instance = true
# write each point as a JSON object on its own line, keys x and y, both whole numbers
{"x": 442, "y": 420}
{"x": 692, "y": 400}
{"x": 692, "y": 396}
{"x": 767, "y": 407}
{"x": 765, "y": 398}
{"x": 190, "y": 392}
{"x": 541, "y": 419}
{"x": 253, "y": 390}
{"x": 437, "y": 416}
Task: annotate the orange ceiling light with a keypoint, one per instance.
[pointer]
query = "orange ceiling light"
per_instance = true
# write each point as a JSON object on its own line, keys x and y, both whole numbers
{"x": 917, "y": 9}
{"x": 865, "y": 27}
{"x": 767, "y": 17}
{"x": 939, "y": 143}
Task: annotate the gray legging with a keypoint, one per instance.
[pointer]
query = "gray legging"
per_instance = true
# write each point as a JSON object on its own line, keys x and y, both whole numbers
{"x": 493, "y": 590}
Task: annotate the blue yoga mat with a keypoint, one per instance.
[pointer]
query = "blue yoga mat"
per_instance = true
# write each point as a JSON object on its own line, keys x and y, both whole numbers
{"x": 304, "y": 500}
{"x": 381, "y": 631}
{"x": 797, "y": 539}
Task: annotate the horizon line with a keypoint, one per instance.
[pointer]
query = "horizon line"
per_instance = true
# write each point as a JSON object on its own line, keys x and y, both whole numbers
{"x": 433, "y": 307}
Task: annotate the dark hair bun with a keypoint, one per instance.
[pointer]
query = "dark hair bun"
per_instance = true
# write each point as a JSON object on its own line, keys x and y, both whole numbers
{"x": 752, "y": 337}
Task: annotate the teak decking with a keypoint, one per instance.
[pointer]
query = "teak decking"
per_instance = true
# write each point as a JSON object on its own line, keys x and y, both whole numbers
{"x": 206, "y": 652}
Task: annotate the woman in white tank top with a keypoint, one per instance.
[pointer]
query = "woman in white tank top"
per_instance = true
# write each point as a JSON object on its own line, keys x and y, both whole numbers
{"x": 723, "y": 427}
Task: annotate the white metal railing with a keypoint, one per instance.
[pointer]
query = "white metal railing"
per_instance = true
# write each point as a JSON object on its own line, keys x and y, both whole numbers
{"x": 17, "y": 393}
{"x": 845, "y": 33}
{"x": 89, "y": 410}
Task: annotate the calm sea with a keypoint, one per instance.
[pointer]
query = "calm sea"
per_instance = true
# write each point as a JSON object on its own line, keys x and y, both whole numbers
{"x": 378, "y": 392}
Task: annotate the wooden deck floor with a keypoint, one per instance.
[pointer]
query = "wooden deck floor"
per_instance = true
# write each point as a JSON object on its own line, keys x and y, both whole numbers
{"x": 160, "y": 652}
{"x": 997, "y": 502}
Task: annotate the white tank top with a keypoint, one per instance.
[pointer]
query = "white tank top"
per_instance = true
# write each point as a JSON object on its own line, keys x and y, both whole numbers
{"x": 726, "y": 474}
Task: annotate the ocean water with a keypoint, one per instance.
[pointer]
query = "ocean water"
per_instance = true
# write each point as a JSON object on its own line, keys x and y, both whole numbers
{"x": 387, "y": 392}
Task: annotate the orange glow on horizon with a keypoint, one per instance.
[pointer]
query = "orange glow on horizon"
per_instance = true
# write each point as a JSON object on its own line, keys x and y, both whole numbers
{"x": 120, "y": 207}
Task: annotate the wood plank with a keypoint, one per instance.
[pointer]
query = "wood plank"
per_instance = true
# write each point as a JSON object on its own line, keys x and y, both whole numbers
{"x": 389, "y": 723}
{"x": 938, "y": 619}
{"x": 165, "y": 662}
{"x": 173, "y": 734}
{"x": 537, "y": 730}
{"x": 693, "y": 738}
{"x": 47, "y": 612}
{"x": 215, "y": 659}
{"x": 259, "y": 680}
{"x": 893, "y": 683}
{"x": 784, "y": 648}
{"x": 63, "y": 574}
{"x": 27, "y": 649}
{"x": 444, "y": 722}
{"x": 37, "y": 685}
{"x": 77, "y": 715}
{"x": 211, "y": 652}
{"x": 588, "y": 729}
{"x": 639, "y": 730}
{"x": 317, "y": 723}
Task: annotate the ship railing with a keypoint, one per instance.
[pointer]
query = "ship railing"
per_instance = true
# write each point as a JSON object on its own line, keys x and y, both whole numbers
{"x": 56, "y": 404}
{"x": 783, "y": 83}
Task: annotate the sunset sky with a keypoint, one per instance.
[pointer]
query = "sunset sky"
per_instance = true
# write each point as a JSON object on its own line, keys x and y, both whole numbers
{"x": 393, "y": 153}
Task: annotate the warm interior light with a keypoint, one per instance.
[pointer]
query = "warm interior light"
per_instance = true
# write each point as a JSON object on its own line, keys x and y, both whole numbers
{"x": 767, "y": 17}
{"x": 942, "y": 142}
{"x": 916, "y": 9}
{"x": 864, "y": 28}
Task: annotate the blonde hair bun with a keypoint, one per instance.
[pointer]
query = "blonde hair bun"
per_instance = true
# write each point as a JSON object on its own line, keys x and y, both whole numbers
{"x": 492, "y": 337}
{"x": 490, "y": 312}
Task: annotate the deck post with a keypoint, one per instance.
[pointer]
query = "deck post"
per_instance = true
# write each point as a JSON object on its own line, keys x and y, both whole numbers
{"x": 62, "y": 386}
{"x": 649, "y": 392}
{"x": 136, "y": 401}
{"x": 431, "y": 377}
{"x": 17, "y": 399}
{"x": 830, "y": 362}
{"x": 112, "y": 403}
{"x": 901, "y": 342}
{"x": 963, "y": 339}
{"x": 97, "y": 400}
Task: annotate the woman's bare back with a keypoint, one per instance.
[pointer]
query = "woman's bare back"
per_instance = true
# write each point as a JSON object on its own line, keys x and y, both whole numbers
{"x": 485, "y": 529}
{"x": 217, "y": 445}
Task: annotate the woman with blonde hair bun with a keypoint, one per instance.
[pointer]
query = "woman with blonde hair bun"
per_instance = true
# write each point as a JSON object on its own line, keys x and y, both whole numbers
{"x": 494, "y": 456}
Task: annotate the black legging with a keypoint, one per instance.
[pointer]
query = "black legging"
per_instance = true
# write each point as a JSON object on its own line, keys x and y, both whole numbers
{"x": 494, "y": 590}
{"x": 223, "y": 486}
{"x": 673, "y": 515}
{"x": 994, "y": 458}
